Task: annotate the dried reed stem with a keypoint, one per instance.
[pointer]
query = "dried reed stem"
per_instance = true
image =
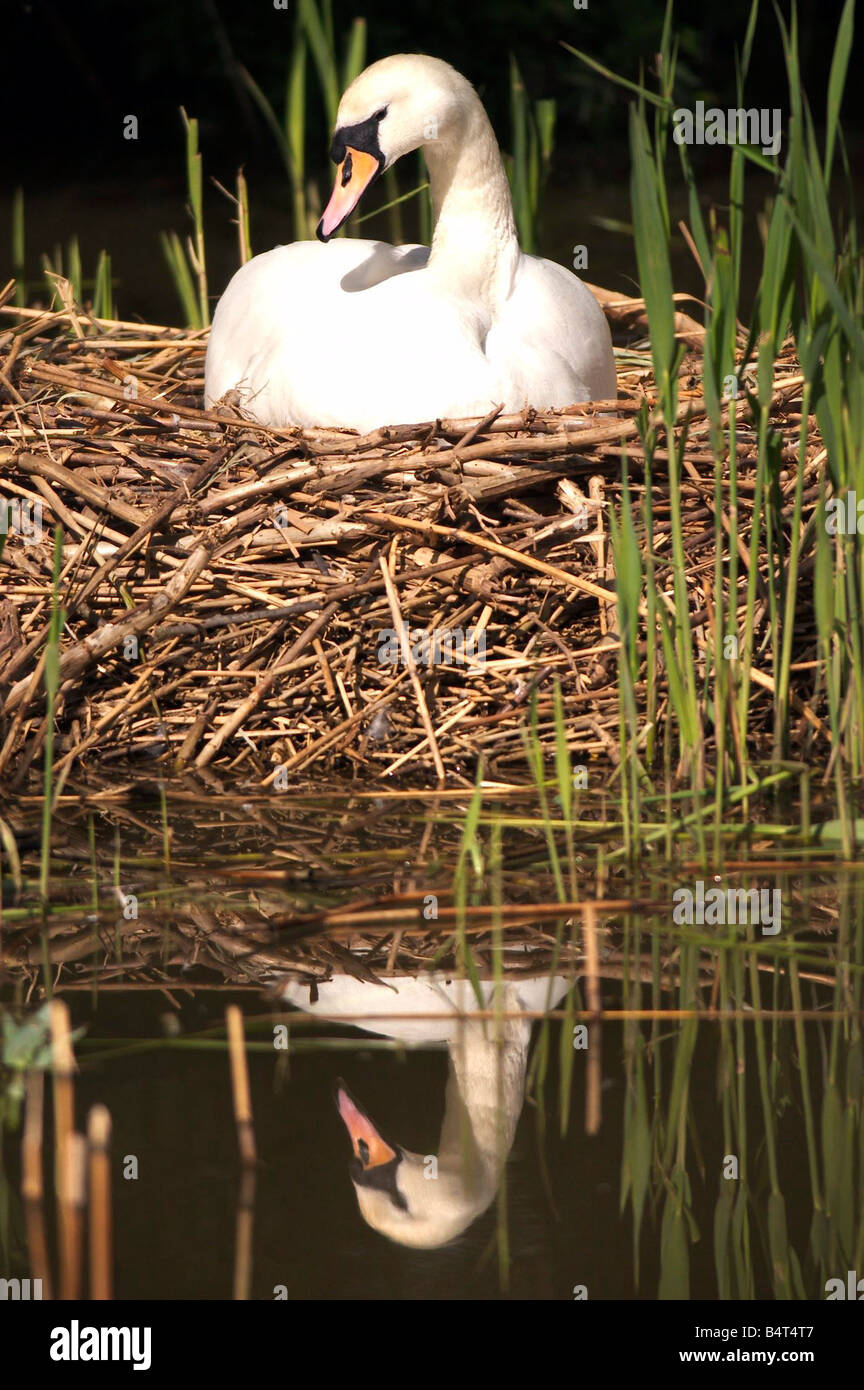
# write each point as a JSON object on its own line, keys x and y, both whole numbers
{"x": 240, "y": 1086}
{"x": 101, "y": 1233}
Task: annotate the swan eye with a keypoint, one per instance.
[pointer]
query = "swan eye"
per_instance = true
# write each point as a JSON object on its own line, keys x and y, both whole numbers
{"x": 379, "y": 115}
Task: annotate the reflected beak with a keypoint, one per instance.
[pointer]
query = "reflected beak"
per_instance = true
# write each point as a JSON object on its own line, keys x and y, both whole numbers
{"x": 370, "y": 1149}
{"x": 353, "y": 177}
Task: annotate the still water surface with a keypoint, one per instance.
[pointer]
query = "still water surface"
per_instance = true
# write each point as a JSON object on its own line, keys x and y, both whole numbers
{"x": 522, "y": 1201}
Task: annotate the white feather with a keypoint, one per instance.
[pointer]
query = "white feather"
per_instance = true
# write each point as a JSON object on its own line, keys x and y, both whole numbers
{"x": 484, "y": 1095}
{"x": 360, "y": 334}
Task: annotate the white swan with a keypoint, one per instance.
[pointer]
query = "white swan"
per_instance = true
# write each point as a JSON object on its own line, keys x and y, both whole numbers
{"x": 359, "y": 334}
{"x": 402, "y": 1194}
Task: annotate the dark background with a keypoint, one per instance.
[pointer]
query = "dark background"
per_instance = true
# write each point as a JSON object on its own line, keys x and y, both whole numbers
{"x": 72, "y": 71}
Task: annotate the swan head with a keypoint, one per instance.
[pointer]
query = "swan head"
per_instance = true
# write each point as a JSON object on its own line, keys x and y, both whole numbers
{"x": 407, "y": 1196}
{"x": 391, "y": 108}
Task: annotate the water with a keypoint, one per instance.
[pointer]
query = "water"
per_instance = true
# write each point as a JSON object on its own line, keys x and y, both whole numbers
{"x": 127, "y": 220}
{"x": 678, "y": 1099}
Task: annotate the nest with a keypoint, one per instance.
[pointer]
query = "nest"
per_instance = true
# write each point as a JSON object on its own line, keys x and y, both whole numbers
{"x": 287, "y": 603}
{"x": 257, "y": 892}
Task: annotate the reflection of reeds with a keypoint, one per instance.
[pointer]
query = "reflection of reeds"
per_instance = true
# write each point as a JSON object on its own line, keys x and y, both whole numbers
{"x": 71, "y": 1200}
{"x": 676, "y": 988}
{"x": 240, "y": 1085}
{"x": 245, "y": 1220}
{"x": 32, "y": 1187}
{"x": 751, "y": 1237}
{"x": 70, "y": 1164}
{"x": 593, "y": 1071}
{"x": 81, "y": 1170}
{"x": 101, "y": 1241}
{"x": 243, "y": 1236}
{"x": 63, "y": 1075}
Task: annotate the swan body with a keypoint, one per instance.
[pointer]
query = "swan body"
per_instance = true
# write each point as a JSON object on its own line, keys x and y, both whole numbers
{"x": 358, "y": 334}
{"x": 402, "y": 1194}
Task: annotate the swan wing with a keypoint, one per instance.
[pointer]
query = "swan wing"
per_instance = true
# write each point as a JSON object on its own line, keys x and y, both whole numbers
{"x": 353, "y": 334}
{"x": 550, "y": 343}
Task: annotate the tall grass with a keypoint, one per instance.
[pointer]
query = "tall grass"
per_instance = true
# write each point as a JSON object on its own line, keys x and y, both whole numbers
{"x": 533, "y": 141}
{"x": 810, "y": 285}
{"x": 187, "y": 261}
{"x": 95, "y": 292}
{"x": 19, "y": 247}
{"x": 313, "y": 39}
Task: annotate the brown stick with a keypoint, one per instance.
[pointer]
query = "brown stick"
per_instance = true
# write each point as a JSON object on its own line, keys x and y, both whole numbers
{"x": 55, "y": 473}
{"x": 240, "y": 1086}
{"x": 31, "y": 1182}
{"x": 408, "y": 656}
{"x": 593, "y": 1075}
{"x": 99, "y": 1138}
{"x": 480, "y": 542}
{"x": 229, "y": 726}
{"x": 73, "y": 1195}
{"x": 83, "y": 654}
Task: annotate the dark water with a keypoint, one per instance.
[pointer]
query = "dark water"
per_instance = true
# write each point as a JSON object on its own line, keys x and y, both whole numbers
{"x": 126, "y": 219}
{"x": 175, "y": 1225}
{"x": 152, "y": 993}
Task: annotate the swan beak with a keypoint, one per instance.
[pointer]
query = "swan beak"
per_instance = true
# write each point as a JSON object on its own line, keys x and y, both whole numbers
{"x": 370, "y": 1149}
{"x": 353, "y": 177}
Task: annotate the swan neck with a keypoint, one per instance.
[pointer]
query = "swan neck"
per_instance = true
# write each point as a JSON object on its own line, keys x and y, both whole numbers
{"x": 485, "y": 1093}
{"x": 475, "y": 244}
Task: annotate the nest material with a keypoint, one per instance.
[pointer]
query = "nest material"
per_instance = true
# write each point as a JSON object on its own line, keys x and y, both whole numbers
{"x": 257, "y": 892}
{"x": 228, "y": 588}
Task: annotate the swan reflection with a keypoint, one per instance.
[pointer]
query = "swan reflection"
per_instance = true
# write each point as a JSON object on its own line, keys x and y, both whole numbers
{"x": 426, "y": 1200}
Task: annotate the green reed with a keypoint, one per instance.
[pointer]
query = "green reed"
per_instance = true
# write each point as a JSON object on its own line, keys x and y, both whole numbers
{"x": 533, "y": 142}
{"x": 810, "y": 285}
{"x": 187, "y": 261}
{"x": 19, "y": 247}
{"x": 66, "y": 265}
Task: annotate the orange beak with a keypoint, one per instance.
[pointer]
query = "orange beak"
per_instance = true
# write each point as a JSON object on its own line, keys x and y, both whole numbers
{"x": 353, "y": 177}
{"x": 369, "y": 1148}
